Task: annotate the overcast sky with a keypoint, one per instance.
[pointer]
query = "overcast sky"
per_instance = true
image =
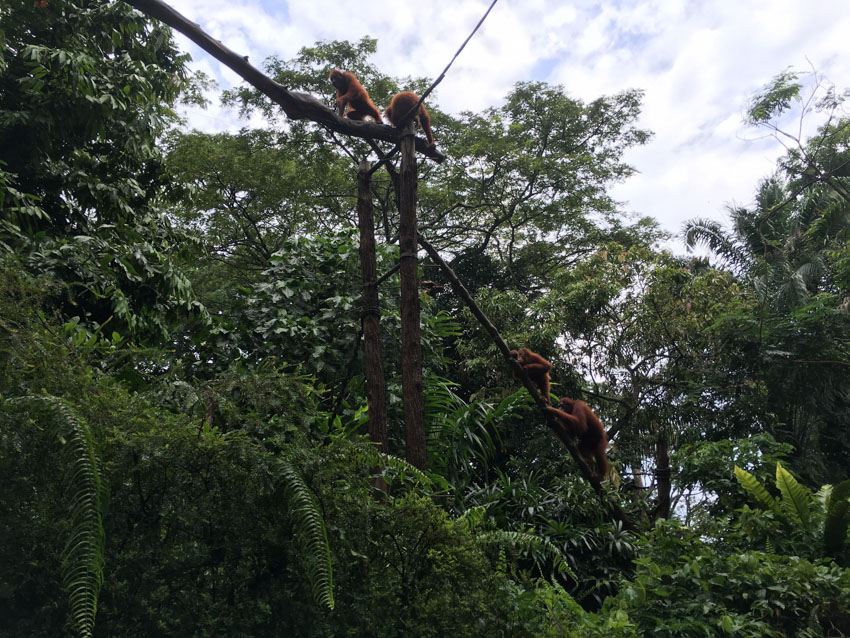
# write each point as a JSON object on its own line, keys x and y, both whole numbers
{"x": 698, "y": 61}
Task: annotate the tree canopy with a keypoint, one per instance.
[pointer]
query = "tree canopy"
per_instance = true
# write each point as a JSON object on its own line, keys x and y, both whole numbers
{"x": 184, "y": 422}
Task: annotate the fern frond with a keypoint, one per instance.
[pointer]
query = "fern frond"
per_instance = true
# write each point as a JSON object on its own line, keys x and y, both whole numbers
{"x": 83, "y": 555}
{"x": 399, "y": 465}
{"x": 796, "y": 499}
{"x": 311, "y": 533}
{"x": 838, "y": 495}
{"x": 473, "y": 517}
{"x": 756, "y": 490}
{"x": 532, "y": 545}
{"x": 823, "y": 496}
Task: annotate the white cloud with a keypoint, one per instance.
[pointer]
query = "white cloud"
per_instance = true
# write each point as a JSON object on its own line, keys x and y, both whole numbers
{"x": 698, "y": 62}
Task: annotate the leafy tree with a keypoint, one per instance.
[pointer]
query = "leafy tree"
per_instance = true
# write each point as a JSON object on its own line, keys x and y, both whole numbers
{"x": 505, "y": 192}
{"x": 85, "y": 90}
{"x": 705, "y": 474}
{"x": 788, "y": 251}
{"x": 254, "y": 190}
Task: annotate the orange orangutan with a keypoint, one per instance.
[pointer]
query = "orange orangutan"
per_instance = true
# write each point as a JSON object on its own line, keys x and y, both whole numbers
{"x": 350, "y": 93}
{"x": 578, "y": 419}
{"x": 536, "y": 367}
{"x": 401, "y": 104}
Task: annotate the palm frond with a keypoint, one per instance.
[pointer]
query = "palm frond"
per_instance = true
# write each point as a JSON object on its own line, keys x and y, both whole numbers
{"x": 460, "y": 433}
{"x": 398, "y": 465}
{"x": 83, "y": 555}
{"x": 311, "y": 533}
{"x": 811, "y": 271}
{"x": 710, "y": 234}
{"x": 473, "y": 517}
{"x": 792, "y": 292}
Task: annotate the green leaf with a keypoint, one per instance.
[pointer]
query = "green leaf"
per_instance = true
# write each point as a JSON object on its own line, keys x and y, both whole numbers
{"x": 796, "y": 498}
{"x": 534, "y": 546}
{"x": 755, "y": 489}
{"x": 83, "y": 556}
{"x": 775, "y": 98}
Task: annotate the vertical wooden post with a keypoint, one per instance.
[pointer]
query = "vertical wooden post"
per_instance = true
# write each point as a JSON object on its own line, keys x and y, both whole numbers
{"x": 411, "y": 344}
{"x": 376, "y": 389}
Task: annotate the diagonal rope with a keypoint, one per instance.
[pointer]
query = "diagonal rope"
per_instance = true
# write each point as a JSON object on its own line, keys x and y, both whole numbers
{"x": 442, "y": 75}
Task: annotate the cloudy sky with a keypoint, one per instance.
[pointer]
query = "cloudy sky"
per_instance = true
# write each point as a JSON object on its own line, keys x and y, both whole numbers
{"x": 698, "y": 62}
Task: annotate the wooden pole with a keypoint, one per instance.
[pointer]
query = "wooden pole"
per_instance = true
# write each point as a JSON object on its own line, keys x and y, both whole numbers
{"x": 411, "y": 344}
{"x": 376, "y": 388}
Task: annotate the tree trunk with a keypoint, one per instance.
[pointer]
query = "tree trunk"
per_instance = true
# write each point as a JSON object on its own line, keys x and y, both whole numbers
{"x": 376, "y": 389}
{"x": 662, "y": 474}
{"x": 411, "y": 346}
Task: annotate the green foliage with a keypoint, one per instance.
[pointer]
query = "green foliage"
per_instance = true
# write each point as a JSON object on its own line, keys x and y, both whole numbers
{"x": 789, "y": 251}
{"x": 756, "y": 490}
{"x": 463, "y": 438}
{"x": 684, "y": 587}
{"x": 709, "y": 467}
{"x": 563, "y": 509}
{"x": 519, "y": 149}
{"x": 251, "y": 191}
{"x": 775, "y": 98}
{"x": 800, "y": 509}
{"x": 837, "y": 522}
{"x": 396, "y": 468}
{"x": 306, "y": 308}
{"x": 536, "y": 547}
{"x": 245, "y": 501}
{"x": 311, "y": 532}
{"x": 85, "y": 90}
{"x": 428, "y": 577}
{"x": 796, "y": 499}
{"x": 309, "y": 70}
{"x": 86, "y": 495}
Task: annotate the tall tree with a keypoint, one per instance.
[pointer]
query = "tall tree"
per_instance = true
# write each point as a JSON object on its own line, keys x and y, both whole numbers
{"x": 85, "y": 89}
{"x": 789, "y": 249}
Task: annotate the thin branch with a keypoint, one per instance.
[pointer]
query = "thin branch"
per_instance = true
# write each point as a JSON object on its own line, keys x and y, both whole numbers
{"x": 387, "y": 275}
{"x": 821, "y": 362}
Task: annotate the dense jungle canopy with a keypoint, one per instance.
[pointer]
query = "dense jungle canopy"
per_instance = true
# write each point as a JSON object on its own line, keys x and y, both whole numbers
{"x": 184, "y": 432}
